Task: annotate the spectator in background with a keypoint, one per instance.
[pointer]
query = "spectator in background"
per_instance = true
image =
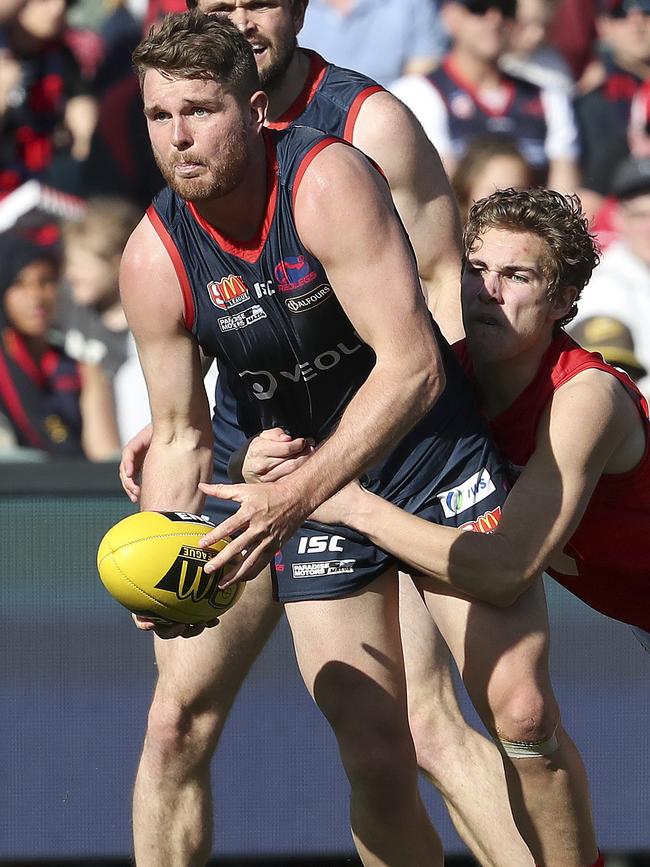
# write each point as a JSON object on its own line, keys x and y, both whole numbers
{"x": 614, "y": 342}
{"x": 530, "y": 55}
{"x": 384, "y": 39}
{"x": 604, "y": 112}
{"x": 573, "y": 32}
{"x": 468, "y": 95}
{"x": 91, "y": 318}
{"x": 47, "y": 114}
{"x": 490, "y": 163}
{"x": 620, "y": 286}
{"x": 51, "y": 403}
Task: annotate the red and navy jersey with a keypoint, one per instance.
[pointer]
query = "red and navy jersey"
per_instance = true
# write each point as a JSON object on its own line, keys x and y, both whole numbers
{"x": 329, "y": 101}
{"x": 522, "y": 118}
{"x": 611, "y": 546}
{"x": 288, "y": 352}
{"x": 40, "y": 397}
{"x": 265, "y": 309}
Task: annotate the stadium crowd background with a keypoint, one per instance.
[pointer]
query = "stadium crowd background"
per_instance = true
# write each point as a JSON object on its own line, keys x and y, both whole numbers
{"x": 76, "y": 174}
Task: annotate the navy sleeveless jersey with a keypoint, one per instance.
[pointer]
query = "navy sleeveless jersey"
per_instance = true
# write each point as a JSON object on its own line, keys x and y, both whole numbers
{"x": 522, "y": 119}
{"x": 266, "y": 311}
{"x": 291, "y": 359}
{"x": 330, "y": 101}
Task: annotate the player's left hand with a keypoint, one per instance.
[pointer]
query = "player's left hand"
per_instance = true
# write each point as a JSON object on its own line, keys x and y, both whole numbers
{"x": 267, "y": 516}
{"x": 171, "y": 630}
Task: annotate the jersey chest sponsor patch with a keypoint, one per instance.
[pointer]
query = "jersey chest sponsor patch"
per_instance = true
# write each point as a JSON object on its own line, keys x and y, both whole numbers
{"x": 242, "y": 319}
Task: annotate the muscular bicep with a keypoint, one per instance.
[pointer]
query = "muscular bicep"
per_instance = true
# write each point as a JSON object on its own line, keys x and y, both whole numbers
{"x": 168, "y": 352}
{"x": 346, "y": 218}
{"x": 389, "y": 133}
{"x": 575, "y": 440}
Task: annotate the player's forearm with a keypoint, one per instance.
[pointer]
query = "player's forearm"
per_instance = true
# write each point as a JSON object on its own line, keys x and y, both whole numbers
{"x": 476, "y": 564}
{"x": 175, "y": 464}
{"x": 382, "y": 412}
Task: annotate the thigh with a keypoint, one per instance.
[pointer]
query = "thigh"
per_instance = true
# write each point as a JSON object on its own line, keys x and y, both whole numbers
{"x": 350, "y": 653}
{"x": 208, "y": 669}
{"x": 498, "y": 650}
{"x": 426, "y": 656}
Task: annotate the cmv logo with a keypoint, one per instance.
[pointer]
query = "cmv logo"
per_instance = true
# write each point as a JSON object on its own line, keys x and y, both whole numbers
{"x": 187, "y": 580}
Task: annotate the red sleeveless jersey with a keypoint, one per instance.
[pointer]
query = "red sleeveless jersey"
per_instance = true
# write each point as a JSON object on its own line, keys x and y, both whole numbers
{"x": 611, "y": 546}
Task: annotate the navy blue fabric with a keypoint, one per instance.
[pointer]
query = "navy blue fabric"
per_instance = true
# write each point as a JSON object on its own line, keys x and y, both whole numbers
{"x": 524, "y": 120}
{"x": 292, "y": 359}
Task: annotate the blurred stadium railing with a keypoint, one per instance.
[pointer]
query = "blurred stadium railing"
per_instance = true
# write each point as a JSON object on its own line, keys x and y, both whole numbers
{"x": 77, "y": 680}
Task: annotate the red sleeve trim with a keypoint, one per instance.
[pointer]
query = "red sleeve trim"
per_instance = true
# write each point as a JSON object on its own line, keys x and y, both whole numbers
{"x": 189, "y": 310}
{"x": 308, "y": 159}
{"x": 355, "y": 108}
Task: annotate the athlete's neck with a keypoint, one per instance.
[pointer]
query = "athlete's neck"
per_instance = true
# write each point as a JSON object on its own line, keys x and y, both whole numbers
{"x": 501, "y": 382}
{"x": 480, "y": 74}
{"x": 283, "y": 93}
{"x": 240, "y": 213}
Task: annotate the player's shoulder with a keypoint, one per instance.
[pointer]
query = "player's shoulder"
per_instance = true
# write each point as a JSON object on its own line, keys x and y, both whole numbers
{"x": 144, "y": 249}
{"x": 147, "y": 271}
{"x": 389, "y": 131}
{"x": 594, "y": 397}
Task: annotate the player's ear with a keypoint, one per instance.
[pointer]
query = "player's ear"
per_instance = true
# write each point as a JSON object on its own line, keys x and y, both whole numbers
{"x": 563, "y": 302}
{"x": 258, "y": 105}
{"x": 298, "y": 10}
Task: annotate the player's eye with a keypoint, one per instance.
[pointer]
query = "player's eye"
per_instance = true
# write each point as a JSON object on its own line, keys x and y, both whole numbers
{"x": 199, "y": 111}
{"x": 519, "y": 278}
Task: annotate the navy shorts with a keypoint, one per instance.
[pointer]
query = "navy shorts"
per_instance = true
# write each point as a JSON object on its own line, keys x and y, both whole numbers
{"x": 446, "y": 470}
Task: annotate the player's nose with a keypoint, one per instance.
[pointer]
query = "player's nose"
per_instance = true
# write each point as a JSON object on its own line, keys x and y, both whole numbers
{"x": 243, "y": 21}
{"x": 180, "y": 134}
{"x": 491, "y": 287}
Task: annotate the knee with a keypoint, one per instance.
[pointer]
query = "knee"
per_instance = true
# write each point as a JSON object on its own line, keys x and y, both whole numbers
{"x": 180, "y": 730}
{"x": 526, "y": 716}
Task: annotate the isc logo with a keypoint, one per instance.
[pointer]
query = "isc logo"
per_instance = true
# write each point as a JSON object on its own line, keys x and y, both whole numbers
{"x": 320, "y": 544}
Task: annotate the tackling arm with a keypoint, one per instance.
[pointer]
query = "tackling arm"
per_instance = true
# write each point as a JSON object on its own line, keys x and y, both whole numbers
{"x": 589, "y": 422}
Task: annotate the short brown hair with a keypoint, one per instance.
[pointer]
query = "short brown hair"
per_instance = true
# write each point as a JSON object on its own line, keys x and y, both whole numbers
{"x": 194, "y": 45}
{"x": 572, "y": 252}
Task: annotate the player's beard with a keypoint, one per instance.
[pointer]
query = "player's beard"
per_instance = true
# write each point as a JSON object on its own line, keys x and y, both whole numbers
{"x": 224, "y": 172}
{"x": 280, "y": 56}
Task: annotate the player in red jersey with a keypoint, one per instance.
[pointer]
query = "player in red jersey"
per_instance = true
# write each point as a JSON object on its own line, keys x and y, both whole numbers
{"x": 575, "y": 427}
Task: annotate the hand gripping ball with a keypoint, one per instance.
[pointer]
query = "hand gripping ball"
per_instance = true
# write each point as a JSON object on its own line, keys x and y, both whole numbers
{"x": 152, "y": 564}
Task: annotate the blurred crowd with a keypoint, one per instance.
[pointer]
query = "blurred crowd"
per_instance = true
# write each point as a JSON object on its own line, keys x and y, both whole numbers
{"x": 513, "y": 93}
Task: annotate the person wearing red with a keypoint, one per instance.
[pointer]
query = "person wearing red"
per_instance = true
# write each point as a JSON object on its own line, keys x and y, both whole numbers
{"x": 575, "y": 428}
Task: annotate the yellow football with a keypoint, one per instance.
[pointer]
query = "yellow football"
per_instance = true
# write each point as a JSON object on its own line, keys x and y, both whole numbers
{"x": 152, "y": 564}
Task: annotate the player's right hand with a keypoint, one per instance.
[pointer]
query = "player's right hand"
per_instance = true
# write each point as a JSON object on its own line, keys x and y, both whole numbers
{"x": 274, "y": 454}
{"x": 133, "y": 455}
{"x": 171, "y": 630}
